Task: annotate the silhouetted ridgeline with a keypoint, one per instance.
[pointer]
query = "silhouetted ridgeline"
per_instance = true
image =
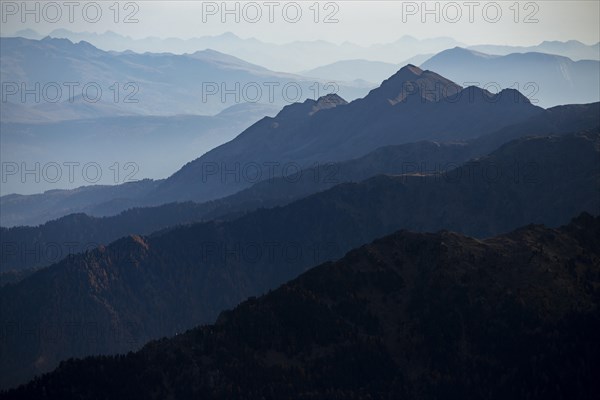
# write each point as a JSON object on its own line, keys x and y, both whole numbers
{"x": 26, "y": 247}
{"x": 411, "y": 105}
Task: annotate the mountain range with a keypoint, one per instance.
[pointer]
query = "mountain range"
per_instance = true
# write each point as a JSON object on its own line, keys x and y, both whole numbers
{"x": 416, "y": 315}
{"x": 328, "y": 130}
{"x": 573, "y": 49}
{"x": 545, "y": 79}
{"x": 277, "y": 57}
{"x": 432, "y": 236}
{"x": 169, "y": 84}
{"x": 114, "y": 298}
{"x": 313, "y": 201}
{"x": 142, "y": 83}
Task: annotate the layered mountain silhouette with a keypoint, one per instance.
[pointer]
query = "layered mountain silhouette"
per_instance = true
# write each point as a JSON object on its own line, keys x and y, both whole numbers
{"x": 411, "y": 105}
{"x": 278, "y": 57}
{"x": 546, "y": 79}
{"x": 76, "y": 233}
{"x": 416, "y": 315}
{"x": 115, "y": 298}
{"x": 435, "y": 236}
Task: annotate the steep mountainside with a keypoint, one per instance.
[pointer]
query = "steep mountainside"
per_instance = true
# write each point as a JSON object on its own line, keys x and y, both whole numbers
{"x": 412, "y": 315}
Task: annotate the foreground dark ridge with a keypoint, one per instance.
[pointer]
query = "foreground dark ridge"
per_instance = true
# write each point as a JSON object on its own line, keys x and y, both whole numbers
{"x": 116, "y": 298}
{"x": 412, "y": 315}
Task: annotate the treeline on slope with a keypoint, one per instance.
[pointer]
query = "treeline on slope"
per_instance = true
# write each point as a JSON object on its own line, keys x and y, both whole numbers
{"x": 136, "y": 289}
{"x": 412, "y": 315}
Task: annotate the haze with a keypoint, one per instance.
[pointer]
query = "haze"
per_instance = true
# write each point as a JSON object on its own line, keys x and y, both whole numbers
{"x": 361, "y": 22}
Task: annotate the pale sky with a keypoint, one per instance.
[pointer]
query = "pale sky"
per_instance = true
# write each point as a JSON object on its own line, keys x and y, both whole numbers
{"x": 362, "y": 22}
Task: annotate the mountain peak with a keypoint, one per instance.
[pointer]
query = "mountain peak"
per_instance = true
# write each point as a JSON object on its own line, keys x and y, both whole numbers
{"x": 310, "y": 107}
{"x": 82, "y": 44}
{"x": 64, "y": 42}
{"x": 514, "y": 95}
{"x": 413, "y": 82}
{"x": 461, "y": 53}
{"x": 228, "y": 36}
{"x": 328, "y": 101}
{"x": 409, "y": 69}
{"x": 405, "y": 74}
{"x": 128, "y": 245}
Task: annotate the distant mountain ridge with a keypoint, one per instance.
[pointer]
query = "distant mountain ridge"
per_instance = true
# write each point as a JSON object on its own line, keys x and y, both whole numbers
{"x": 147, "y": 84}
{"x": 573, "y": 49}
{"x": 278, "y": 57}
{"x": 546, "y": 79}
{"x": 321, "y": 52}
